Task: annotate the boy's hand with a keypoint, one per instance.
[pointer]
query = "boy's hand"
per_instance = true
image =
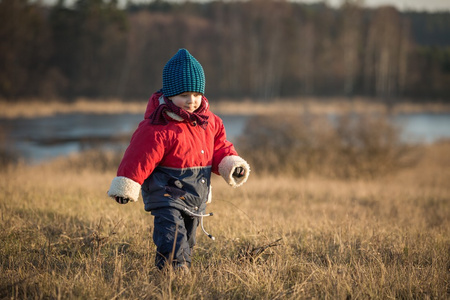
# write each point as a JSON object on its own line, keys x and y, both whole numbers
{"x": 122, "y": 200}
{"x": 239, "y": 172}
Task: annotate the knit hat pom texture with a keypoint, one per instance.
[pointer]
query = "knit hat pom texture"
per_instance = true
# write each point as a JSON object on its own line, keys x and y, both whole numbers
{"x": 183, "y": 73}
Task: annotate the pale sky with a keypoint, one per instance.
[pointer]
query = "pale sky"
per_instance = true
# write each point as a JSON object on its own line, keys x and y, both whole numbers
{"x": 428, "y": 5}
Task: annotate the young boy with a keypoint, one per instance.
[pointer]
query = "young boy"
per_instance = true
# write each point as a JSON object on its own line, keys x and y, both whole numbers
{"x": 171, "y": 157}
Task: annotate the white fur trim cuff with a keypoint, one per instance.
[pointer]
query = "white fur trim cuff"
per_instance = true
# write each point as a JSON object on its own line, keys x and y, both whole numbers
{"x": 227, "y": 166}
{"x": 124, "y": 187}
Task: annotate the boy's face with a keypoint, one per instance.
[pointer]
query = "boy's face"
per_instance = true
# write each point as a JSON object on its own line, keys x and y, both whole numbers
{"x": 188, "y": 101}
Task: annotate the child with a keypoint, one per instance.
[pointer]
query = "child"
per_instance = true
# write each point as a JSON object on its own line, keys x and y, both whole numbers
{"x": 171, "y": 157}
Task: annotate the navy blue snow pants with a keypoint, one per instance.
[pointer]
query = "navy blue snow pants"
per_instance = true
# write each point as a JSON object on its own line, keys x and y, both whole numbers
{"x": 171, "y": 224}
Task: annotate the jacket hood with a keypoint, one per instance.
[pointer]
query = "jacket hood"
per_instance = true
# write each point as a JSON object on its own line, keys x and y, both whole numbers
{"x": 152, "y": 104}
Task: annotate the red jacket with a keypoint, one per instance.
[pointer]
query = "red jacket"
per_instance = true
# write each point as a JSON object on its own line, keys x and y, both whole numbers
{"x": 179, "y": 150}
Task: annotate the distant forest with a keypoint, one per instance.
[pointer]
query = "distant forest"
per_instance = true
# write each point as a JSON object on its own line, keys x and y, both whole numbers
{"x": 260, "y": 49}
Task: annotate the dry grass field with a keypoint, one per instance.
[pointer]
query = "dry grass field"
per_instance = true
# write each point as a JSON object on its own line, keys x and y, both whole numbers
{"x": 38, "y": 108}
{"x": 381, "y": 238}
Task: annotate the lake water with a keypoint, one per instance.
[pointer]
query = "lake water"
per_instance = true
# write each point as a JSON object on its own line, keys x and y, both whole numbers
{"x": 38, "y": 139}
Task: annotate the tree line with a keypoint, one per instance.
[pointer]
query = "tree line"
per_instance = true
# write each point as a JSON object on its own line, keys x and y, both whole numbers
{"x": 261, "y": 49}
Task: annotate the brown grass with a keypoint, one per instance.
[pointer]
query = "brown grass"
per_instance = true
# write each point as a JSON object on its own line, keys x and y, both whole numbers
{"x": 350, "y": 146}
{"x": 61, "y": 237}
{"x": 319, "y": 106}
{"x": 39, "y": 108}
{"x": 336, "y": 105}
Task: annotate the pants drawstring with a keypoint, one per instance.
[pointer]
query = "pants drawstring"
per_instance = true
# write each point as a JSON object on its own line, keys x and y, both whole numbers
{"x": 201, "y": 220}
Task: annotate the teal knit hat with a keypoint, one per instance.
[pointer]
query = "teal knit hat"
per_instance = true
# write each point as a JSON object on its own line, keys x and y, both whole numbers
{"x": 183, "y": 73}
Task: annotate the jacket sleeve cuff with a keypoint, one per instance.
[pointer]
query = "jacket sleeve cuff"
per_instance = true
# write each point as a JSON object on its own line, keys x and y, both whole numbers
{"x": 124, "y": 187}
{"x": 227, "y": 166}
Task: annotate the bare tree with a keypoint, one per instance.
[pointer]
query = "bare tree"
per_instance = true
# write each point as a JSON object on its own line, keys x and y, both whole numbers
{"x": 350, "y": 44}
{"x": 386, "y": 54}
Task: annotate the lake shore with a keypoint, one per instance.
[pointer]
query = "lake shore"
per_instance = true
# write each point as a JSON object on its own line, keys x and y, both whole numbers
{"x": 39, "y": 108}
